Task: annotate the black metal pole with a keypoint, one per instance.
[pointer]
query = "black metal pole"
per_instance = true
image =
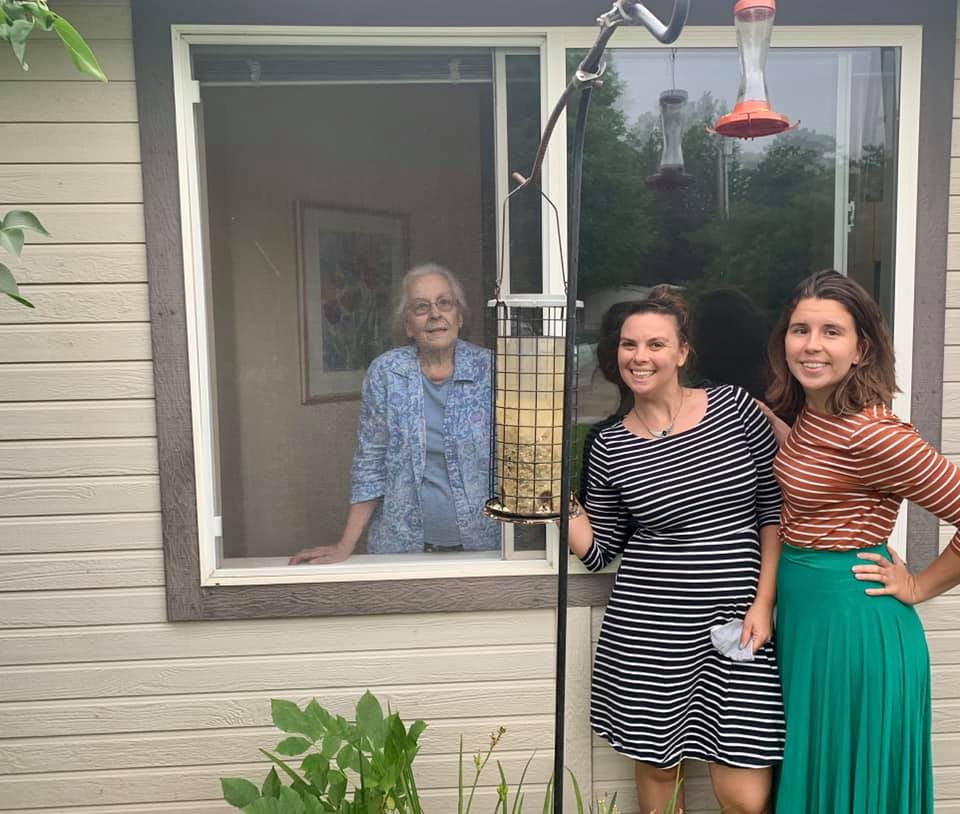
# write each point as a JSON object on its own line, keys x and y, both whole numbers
{"x": 569, "y": 386}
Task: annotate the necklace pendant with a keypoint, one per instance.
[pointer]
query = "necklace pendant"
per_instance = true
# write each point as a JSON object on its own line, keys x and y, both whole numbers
{"x": 661, "y": 433}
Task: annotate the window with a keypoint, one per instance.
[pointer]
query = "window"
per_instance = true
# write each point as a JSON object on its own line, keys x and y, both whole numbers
{"x": 742, "y": 222}
{"x": 279, "y": 134}
{"x": 322, "y": 174}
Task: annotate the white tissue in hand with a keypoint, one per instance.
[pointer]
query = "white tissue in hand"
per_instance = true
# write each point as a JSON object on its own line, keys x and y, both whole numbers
{"x": 726, "y": 638}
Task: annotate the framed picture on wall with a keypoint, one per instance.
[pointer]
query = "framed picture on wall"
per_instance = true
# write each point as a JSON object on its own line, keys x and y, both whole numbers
{"x": 350, "y": 264}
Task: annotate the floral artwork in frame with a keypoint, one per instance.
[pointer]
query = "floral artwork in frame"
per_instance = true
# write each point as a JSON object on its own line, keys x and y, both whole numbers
{"x": 350, "y": 264}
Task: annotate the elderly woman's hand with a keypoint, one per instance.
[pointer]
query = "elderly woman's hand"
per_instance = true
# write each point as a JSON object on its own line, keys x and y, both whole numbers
{"x": 322, "y": 554}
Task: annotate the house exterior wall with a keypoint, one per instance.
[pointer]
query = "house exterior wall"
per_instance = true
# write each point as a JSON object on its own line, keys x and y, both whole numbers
{"x": 103, "y": 703}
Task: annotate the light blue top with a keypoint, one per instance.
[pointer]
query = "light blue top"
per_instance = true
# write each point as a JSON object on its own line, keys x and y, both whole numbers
{"x": 392, "y": 448}
{"x": 439, "y": 513}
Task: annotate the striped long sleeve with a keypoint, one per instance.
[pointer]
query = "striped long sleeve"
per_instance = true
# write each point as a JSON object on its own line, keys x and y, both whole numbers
{"x": 844, "y": 478}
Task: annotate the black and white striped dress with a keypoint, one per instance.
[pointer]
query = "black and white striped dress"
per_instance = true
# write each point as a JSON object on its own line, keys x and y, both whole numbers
{"x": 661, "y": 692}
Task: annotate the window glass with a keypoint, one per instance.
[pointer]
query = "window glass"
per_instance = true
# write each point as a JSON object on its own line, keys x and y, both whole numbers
{"x": 329, "y": 172}
{"x": 749, "y": 219}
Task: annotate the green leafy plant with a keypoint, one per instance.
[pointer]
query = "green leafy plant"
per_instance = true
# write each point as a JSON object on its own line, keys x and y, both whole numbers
{"x": 18, "y": 20}
{"x": 363, "y": 766}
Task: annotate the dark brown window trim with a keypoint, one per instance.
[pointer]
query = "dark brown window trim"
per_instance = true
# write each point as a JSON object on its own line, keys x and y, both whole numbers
{"x": 186, "y": 599}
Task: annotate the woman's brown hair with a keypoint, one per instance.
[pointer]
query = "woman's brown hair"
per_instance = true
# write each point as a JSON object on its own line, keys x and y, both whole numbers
{"x": 871, "y": 381}
{"x": 661, "y": 299}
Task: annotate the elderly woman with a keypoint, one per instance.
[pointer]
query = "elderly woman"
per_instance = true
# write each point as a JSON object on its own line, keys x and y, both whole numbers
{"x": 421, "y": 469}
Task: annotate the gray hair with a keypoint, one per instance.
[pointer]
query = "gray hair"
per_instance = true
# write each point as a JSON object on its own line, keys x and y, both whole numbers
{"x": 399, "y": 323}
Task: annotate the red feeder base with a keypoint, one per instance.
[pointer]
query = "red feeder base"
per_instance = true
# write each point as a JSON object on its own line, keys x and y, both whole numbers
{"x": 752, "y": 120}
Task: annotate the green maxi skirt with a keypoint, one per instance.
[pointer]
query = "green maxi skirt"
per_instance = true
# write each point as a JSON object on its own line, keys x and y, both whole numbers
{"x": 856, "y": 691}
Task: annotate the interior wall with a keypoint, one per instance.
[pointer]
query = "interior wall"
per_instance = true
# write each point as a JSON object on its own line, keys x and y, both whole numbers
{"x": 285, "y": 465}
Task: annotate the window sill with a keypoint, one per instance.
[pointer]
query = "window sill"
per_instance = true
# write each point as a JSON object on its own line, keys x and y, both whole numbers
{"x": 375, "y": 567}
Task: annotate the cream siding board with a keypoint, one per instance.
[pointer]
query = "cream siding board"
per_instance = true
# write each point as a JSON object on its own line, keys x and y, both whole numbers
{"x": 940, "y": 616}
{"x": 144, "y": 716}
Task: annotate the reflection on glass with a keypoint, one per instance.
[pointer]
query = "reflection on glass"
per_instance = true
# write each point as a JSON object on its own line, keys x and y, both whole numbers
{"x": 523, "y": 137}
{"x": 758, "y": 216}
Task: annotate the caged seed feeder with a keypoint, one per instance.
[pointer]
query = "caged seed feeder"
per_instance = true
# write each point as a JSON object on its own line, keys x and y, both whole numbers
{"x": 752, "y": 116}
{"x": 528, "y": 409}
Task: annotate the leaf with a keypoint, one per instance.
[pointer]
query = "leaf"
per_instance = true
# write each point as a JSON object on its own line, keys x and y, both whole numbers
{"x": 311, "y": 805}
{"x": 12, "y": 241}
{"x": 83, "y": 58}
{"x": 22, "y": 219}
{"x": 271, "y": 786}
{"x": 291, "y": 802}
{"x": 265, "y": 805}
{"x": 316, "y": 767}
{"x": 416, "y": 729}
{"x": 42, "y": 15}
{"x": 238, "y": 792}
{"x": 338, "y": 787}
{"x": 293, "y": 746}
{"x": 17, "y": 36}
{"x": 330, "y": 746}
{"x": 346, "y": 757}
{"x": 318, "y": 716}
{"x": 8, "y": 286}
{"x": 370, "y": 716}
{"x": 285, "y": 767}
{"x": 578, "y": 795}
{"x": 287, "y": 716}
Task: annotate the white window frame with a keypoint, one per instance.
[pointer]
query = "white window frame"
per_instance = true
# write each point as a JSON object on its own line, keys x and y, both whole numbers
{"x": 552, "y": 45}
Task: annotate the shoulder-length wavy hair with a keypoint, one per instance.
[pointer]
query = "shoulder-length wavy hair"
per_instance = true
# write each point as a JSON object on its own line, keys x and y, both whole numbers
{"x": 399, "y": 321}
{"x": 871, "y": 381}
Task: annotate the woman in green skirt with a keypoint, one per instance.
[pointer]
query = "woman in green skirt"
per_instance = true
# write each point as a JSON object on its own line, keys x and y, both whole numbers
{"x": 853, "y": 658}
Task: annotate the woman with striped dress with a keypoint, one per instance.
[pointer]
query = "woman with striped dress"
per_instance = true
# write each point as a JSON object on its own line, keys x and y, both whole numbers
{"x": 853, "y": 658}
{"x": 689, "y": 470}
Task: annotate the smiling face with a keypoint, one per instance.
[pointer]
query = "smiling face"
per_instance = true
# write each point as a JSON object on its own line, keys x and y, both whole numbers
{"x": 436, "y": 329}
{"x": 650, "y": 353}
{"x": 821, "y": 345}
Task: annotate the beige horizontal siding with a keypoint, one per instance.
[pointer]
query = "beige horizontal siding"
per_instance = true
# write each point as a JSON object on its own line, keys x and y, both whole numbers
{"x": 27, "y": 420}
{"x": 35, "y": 496}
{"x": 219, "y": 711}
{"x": 110, "y": 606}
{"x": 68, "y": 101}
{"x": 101, "y": 143}
{"x": 102, "y": 569}
{"x": 235, "y": 745}
{"x": 47, "y": 60}
{"x": 86, "y": 223}
{"x": 71, "y": 533}
{"x": 79, "y": 263}
{"x": 74, "y": 343}
{"x": 86, "y": 380}
{"x": 101, "y": 302}
{"x": 184, "y": 784}
{"x": 70, "y": 183}
{"x": 941, "y": 618}
{"x": 280, "y": 673}
{"x": 78, "y": 458}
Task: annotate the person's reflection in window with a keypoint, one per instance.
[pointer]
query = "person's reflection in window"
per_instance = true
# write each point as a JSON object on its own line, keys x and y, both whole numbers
{"x": 420, "y": 473}
{"x": 731, "y": 336}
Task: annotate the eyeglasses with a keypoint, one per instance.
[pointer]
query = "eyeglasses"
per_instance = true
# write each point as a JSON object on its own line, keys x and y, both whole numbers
{"x": 423, "y": 307}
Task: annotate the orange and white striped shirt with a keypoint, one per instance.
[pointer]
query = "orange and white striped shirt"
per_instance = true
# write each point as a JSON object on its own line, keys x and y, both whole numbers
{"x": 844, "y": 477}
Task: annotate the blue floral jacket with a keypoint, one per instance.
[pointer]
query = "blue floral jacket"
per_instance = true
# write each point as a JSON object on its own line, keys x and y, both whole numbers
{"x": 391, "y": 449}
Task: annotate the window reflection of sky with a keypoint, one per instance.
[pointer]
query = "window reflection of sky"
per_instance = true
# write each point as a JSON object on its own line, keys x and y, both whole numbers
{"x": 802, "y": 83}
